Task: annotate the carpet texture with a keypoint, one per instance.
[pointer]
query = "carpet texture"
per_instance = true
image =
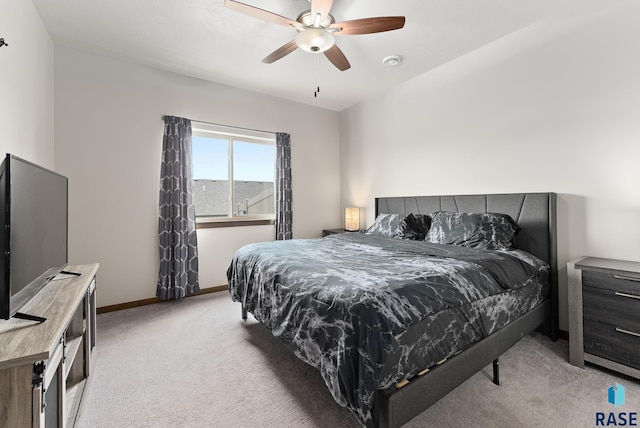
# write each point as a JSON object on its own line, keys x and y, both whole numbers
{"x": 196, "y": 363}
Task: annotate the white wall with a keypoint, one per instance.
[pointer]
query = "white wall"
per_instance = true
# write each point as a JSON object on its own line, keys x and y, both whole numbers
{"x": 553, "y": 107}
{"x": 26, "y": 84}
{"x": 109, "y": 129}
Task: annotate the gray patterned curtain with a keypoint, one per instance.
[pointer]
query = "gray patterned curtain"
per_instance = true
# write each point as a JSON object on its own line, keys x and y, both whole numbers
{"x": 284, "y": 213}
{"x": 177, "y": 223}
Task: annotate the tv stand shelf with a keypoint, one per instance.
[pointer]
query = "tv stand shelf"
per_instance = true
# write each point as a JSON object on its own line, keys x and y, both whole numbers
{"x": 49, "y": 362}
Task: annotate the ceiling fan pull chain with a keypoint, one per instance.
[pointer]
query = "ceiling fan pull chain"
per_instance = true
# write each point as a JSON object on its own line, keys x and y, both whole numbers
{"x": 316, "y": 71}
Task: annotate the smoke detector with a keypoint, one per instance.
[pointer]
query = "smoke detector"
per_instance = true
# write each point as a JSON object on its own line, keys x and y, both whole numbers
{"x": 392, "y": 60}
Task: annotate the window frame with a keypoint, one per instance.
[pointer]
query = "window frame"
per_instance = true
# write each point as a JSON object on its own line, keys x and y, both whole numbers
{"x": 231, "y": 134}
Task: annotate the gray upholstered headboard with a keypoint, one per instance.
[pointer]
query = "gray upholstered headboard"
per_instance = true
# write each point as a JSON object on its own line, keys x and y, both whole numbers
{"x": 535, "y": 213}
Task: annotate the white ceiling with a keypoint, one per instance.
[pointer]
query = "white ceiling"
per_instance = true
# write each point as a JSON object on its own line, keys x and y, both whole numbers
{"x": 203, "y": 39}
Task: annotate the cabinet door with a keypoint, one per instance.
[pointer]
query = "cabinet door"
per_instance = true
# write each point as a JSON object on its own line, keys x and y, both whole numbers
{"x": 50, "y": 413}
{"x": 54, "y": 388}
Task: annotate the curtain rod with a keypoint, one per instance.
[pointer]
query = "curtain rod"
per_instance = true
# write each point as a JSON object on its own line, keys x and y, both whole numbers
{"x": 235, "y": 127}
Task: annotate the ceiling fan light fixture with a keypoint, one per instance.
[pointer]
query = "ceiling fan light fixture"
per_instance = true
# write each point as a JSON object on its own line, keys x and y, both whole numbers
{"x": 315, "y": 40}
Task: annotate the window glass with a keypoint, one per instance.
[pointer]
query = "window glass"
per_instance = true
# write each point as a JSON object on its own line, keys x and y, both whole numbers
{"x": 211, "y": 176}
{"x": 234, "y": 174}
{"x": 253, "y": 172}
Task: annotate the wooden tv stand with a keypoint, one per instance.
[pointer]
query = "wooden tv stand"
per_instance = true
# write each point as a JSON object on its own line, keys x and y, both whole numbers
{"x": 44, "y": 366}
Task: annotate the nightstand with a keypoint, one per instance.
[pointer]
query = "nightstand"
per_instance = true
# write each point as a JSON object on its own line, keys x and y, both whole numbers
{"x": 326, "y": 232}
{"x": 604, "y": 314}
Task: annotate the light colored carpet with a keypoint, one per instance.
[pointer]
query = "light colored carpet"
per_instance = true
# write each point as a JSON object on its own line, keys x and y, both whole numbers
{"x": 195, "y": 363}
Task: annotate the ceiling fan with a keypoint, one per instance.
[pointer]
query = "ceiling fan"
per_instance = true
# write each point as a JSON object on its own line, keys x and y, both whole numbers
{"x": 317, "y": 29}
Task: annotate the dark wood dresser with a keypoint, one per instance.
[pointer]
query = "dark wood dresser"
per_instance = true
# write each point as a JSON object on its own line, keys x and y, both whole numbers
{"x": 604, "y": 314}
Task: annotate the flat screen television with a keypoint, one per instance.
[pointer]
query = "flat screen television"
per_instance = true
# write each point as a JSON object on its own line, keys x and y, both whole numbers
{"x": 33, "y": 222}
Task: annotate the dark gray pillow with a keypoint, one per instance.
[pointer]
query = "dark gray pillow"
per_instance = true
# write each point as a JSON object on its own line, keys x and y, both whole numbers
{"x": 417, "y": 226}
{"x": 491, "y": 231}
{"x": 388, "y": 225}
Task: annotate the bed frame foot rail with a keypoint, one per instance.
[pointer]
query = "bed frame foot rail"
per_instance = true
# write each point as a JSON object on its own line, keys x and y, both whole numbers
{"x": 393, "y": 408}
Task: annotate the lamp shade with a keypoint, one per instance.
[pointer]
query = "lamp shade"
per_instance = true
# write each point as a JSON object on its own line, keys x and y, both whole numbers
{"x": 352, "y": 219}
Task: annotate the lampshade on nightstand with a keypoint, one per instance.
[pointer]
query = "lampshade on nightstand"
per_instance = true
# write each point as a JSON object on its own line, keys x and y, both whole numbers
{"x": 352, "y": 219}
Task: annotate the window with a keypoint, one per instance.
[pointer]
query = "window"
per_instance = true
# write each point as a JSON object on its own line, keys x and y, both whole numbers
{"x": 234, "y": 173}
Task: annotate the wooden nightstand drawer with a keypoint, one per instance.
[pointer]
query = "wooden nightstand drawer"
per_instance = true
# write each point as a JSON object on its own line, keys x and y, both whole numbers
{"x": 623, "y": 283}
{"x": 611, "y": 307}
{"x": 607, "y": 341}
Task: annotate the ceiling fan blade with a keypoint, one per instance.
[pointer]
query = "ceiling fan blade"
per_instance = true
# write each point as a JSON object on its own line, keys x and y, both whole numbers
{"x": 337, "y": 58}
{"x": 281, "y": 52}
{"x": 368, "y": 25}
{"x": 322, "y": 7}
{"x": 256, "y": 12}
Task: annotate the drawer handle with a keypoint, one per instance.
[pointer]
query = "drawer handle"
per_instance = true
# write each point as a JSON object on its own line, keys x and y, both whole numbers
{"x": 632, "y": 296}
{"x": 632, "y": 333}
{"x": 628, "y": 278}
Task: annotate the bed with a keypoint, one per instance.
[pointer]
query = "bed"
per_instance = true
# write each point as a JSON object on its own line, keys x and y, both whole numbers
{"x": 394, "y": 324}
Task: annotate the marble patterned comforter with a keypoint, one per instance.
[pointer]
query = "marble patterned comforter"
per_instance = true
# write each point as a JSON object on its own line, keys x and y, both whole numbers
{"x": 369, "y": 311}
